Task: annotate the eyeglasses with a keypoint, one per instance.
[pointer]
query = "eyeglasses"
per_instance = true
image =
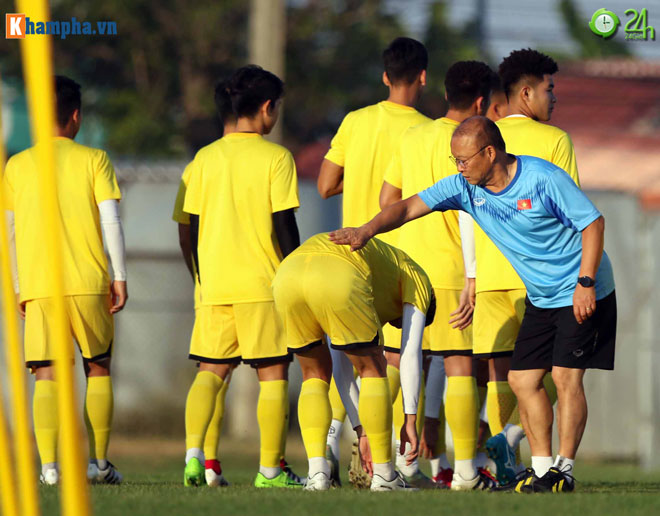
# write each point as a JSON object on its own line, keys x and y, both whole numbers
{"x": 464, "y": 162}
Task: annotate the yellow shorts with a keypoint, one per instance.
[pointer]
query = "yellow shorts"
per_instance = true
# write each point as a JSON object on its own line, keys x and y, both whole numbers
{"x": 498, "y": 315}
{"x": 89, "y": 322}
{"x": 319, "y": 294}
{"x": 440, "y": 338}
{"x": 392, "y": 339}
{"x": 251, "y": 332}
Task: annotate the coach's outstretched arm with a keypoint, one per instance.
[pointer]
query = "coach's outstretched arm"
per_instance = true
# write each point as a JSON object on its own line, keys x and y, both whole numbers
{"x": 390, "y": 218}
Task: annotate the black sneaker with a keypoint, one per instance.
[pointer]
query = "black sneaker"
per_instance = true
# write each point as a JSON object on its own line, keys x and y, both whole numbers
{"x": 523, "y": 482}
{"x": 555, "y": 481}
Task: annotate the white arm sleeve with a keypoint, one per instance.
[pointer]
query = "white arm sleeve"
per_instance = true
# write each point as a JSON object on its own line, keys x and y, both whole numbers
{"x": 114, "y": 237}
{"x": 412, "y": 329}
{"x": 435, "y": 387}
{"x": 342, "y": 371}
{"x": 11, "y": 235}
{"x": 466, "y": 226}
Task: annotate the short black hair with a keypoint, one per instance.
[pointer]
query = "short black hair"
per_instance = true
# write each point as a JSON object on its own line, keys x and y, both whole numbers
{"x": 251, "y": 86}
{"x": 404, "y": 59}
{"x": 522, "y": 63}
{"x": 67, "y": 93}
{"x": 223, "y": 102}
{"x": 484, "y": 130}
{"x": 466, "y": 81}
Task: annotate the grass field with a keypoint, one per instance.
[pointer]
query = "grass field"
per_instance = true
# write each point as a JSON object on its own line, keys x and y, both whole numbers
{"x": 153, "y": 486}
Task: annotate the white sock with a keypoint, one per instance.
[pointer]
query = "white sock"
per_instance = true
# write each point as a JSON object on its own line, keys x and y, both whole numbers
{"x": 102, "y": 463}
{"x": 465, "y": 468}
{"x": 47, "y": 466}
{"x": 196, "y": 453}
{"x": 401, "y": 461}
{"x": 564, "y": 464}
{"x": 334, "y": 434}
{"x": 384, "y": 470}
{"x": 513, "y": 434}
{"x": 269, "y": 472}
{"x": 541, "y": 465}
{"x": 438, "y": 463}
{"x": 316, "y": 465}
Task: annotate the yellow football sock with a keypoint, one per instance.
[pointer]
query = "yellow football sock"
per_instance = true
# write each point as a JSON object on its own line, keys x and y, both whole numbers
{"x": 99, "y": 404}
{"x": 420, "y": 407}
{"x": 272, "y": 409}
{"x": 44, "y": 410}
{"x": 285, "y": 427}
{"x": 212, "y": 436}
{"x": 338, "y": 410}
{"x": 500, "y": 404}
{"x": 314, "y": 416}
{"x": 200, "y": 406}
{"x": 397, "y": 413}
{"x": 441, "y": 443}
{"x": 550, "y": 387}
{"x": 394, "y": 381}
{"x": 482, "y": 392}
{"x": 375, "y": 410}
{"x": 462, "y": 414}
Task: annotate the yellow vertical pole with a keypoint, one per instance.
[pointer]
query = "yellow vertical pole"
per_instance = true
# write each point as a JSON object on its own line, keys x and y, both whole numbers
{"x": 23, "y": 449}
{"x": 8, "y": 500}
{"x": 38, "y": 73}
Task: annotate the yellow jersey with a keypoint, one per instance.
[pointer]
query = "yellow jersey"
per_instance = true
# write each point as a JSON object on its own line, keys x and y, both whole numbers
{"x": 178, "y": 215}
{"x": 522, "y": 136}
{"x": 85, "y": 177}
{"x": 236, "y": 184}
{"x": 395, "y": 278}
{"x": 364, "y": 145}
{"x": 421, "y": 160}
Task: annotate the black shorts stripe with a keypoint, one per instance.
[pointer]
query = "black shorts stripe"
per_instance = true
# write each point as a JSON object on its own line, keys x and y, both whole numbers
{"x": 356, "y": 345}
{"x": 206, "y": 360}
{"x": 256, "y": 362}
{"x": 452, "y": 353}
{"x": 496, "y": 354}
{"x": 306, "y": 347}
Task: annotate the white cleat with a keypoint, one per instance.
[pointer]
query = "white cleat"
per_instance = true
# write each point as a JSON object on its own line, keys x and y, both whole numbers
{"x": 50, "y": 477}
{"x": 320, "y": 481}
{"x": 482, "y": 482}
{"x": 109, "y": 475}
{"x": 214, "y": 479}
{"x": 378, "y": 483}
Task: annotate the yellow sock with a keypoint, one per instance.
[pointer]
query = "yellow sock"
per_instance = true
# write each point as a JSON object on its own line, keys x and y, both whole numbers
{"x": 397, "y": 413}
{"x": 441, "y": 443}
{"x": 99, "y": 404}
{"x": 375, "y": 410}
{"x": 314, "y": 416}
{"x": 500, "y": 404}
{"x": 420, "y": 407}
{"x": 550, "y": 387}
{"x": 44, "y": 410}
{"x": 462, "y": 414}
{"x": 272, "y": 410}
{"x": 394, "y": 381}
{"x": 482, "y": 392}
{"x": 200, "y": 406}
{"x": 212, "y": 436}
{"x": 338, "y": 410}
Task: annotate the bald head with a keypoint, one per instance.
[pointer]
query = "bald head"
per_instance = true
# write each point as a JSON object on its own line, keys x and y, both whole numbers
{"x": 481, "y": 131}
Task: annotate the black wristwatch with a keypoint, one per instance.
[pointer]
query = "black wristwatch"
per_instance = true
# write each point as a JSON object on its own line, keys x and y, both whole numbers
{"x": 586, "y": 281}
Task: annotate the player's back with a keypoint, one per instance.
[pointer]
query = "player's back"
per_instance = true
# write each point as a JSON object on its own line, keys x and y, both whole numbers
{"x": 85, "y": 177}
{"x": 238, "y": 182}
{"x": 364, "y": 146}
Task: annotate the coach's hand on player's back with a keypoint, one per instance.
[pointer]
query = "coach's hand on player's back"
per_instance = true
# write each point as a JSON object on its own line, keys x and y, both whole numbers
{"x": 118, "y": 296}
{"x": 584, "y": 303}
{"x": 357, "y": 238}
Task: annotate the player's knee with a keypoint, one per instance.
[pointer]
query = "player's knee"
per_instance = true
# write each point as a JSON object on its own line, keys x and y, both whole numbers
{"x": 393, "y": 359}
{"x": 523, "y": 382}
{"x": 100, "y": 368}
{"x": 44, "y": 373}
{"x": 567, "y": 380}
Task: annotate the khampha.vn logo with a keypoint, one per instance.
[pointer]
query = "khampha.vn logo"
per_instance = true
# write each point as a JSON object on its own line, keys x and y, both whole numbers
{"x": 17, "y": 26}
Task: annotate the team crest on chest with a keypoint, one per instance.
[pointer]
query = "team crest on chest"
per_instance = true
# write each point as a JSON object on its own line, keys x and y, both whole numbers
{"x": 524, "y": 204}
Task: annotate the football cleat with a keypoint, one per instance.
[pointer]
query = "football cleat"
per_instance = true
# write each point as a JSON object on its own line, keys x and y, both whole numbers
{"x": 522, "y": 483}
{"x": 420, "y": 481}
{"x": 213, "y": 474}
{"x": 193, "y": 475}
{"x": 49, "y": 477}
{"x": 282, "y": 480}
{"x": 109, "y": 475}
{"x": 318, "y": 482}
{"x": 444, "y": 477}
{"x": 378, "y": 483}
{"x": 484, "y": 481}
{"x": 287, "y": 469}
{"x": 357, "y": 476}
{"x": 555, "y": 481}
{"x": 333, "y": 462}
{"x": 504, "y": 457}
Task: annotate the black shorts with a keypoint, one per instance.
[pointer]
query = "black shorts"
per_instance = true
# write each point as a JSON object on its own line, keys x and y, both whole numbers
{"x": 552, "y": 337}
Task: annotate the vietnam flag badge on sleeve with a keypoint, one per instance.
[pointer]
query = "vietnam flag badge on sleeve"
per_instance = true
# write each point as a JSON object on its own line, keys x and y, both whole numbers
{"x": 524, "y": 204}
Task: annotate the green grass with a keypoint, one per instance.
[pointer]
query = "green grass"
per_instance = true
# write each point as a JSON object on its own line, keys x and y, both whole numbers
{"x": 153, "y": 486}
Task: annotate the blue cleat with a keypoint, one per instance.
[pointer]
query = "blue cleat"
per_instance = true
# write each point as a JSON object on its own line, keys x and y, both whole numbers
{"x": 503, "y": 456}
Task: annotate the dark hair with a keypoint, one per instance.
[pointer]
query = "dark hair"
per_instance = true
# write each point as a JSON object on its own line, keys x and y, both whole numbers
{"x": 223, "y": 102}
{"x": 522, "y": 63}
{"x": 250, "y": 87}
{"x": 67, "y": 92}
{"x": 404, "y": 59}
{"x": 466, "y": 81}
{"x": 484, "y": 130}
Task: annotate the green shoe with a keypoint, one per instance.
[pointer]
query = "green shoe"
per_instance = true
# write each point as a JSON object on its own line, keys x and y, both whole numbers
{"x": 193, "y": 475}
{"x": 420, "y": 480}
{"x": 281, "y": 480}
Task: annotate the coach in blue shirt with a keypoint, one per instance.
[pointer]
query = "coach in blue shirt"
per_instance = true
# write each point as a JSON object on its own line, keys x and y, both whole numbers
{"x": 553, "y": 236}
